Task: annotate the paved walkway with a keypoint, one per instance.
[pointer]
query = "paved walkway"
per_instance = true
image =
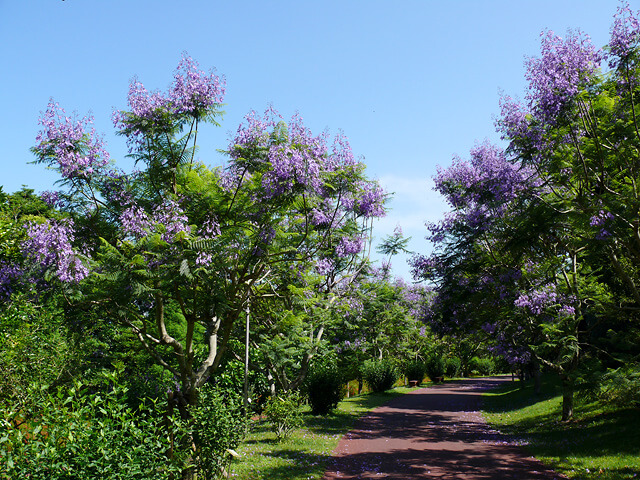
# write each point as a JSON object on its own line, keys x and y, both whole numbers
{"x": 433, "y": 432}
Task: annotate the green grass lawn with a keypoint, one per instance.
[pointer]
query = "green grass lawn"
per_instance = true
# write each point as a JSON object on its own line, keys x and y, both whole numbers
{"x": 306, "y": 453}
{"x": 600, "y": 443}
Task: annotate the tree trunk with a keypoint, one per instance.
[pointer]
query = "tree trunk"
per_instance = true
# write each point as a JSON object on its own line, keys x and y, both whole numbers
{"x": 567, "y": 398}
{"x": 537, "y": 385}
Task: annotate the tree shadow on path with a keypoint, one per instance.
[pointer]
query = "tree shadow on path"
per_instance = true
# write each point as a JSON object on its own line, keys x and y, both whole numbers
{"x": 433, "y": 432}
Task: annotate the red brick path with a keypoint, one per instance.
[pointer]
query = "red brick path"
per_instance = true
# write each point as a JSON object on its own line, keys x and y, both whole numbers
{"x": 433, "y": 432}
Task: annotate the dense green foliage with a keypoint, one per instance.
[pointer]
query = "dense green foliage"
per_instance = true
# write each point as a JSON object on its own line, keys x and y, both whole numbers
{"x": 284, "y": 413}
{"x": 380, "y": 375}
{"x": 415, "y": 370}
{"x": 324, "y": 387}
{"x": 77, "y": 435}
{"x": 435, "y": 367}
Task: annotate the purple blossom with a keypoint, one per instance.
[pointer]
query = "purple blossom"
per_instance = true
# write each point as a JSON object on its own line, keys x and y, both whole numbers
{"x": 135, "y": 222}
{"x": 349, "y": 246}
{"x": 320, "y": 217}
{"x": 68, "y": 144}
{"x": 490, "y": 328}
{"x": 171, "y": 216}
{"x": 341, "y": 154}
{"x": 292, "y": 157}
{"x": 210, "y": 228}
{"x": 565, "y": 67}
{"x": 192, "y": 92}
{"x": 204, "y": 259}
{"x": 324, "y": 266}
{"x": 537, "y": 300}
{"x": 513, "y": 121}
{"x": 9, "y": 273}
{"x": 625, "y": 35}
{"x": 168, "y": 217}
{"x": 567, "y": 311}
{"x": 371, "y": 201}
{"x": 601, "y": 218}
{"x": 49, "y": 244}
{"x": 50, "y": 198}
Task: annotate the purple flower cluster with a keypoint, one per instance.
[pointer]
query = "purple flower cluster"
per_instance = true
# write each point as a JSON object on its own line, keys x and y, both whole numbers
{"x": 625, "y": 35}
{"x": 480, "y": 190}
{"x": 601, "y": 218}
{"x": 357, "y": 344}
{"x": 168, "y": 217}
{"x": 513, "y": 122}
{"x": 9, "y": 274}
{"x": 371, "y": 200}
{"x": 135, "y": 222}
{"x": 69, "y": 144}
{"x": 295, "y": 157}
{"x": 320, "y": 217}
{"x": 292, "y": 160}
{"x": 192, "y": 92}
{"x": 50, "y": 198}
{"x": 49, "y": 245}
{"x": 349, "y": 246}
{"x": 324, "y": 266}
{"x": 513, "y": 355}
{"x": 565, "y": 67}
{"x": 537, "y": 300}
{"x": 423, "y": 266}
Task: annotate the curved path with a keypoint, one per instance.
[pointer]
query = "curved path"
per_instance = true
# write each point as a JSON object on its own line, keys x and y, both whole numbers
{"x": 434, "y": 432}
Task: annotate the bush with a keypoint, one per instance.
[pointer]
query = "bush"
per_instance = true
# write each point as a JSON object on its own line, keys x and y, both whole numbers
{"x": 324, "y": 387}
{"x": 415, "y": 370}
{"x": 284, "y": 412}
{"x": 218, "y": 425}
{"x": 435, "y": 367}
{"x": 74, "y": 435}
{"x": 481, "y": 366}
{"x": 380, "y": 375}
{"x": 453, "y": 367}
{"x": 621, "y": 386}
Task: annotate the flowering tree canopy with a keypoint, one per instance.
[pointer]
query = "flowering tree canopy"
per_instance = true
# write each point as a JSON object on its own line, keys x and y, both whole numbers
{"x": 539, "y": 249}
{"x": 174, "y": 249}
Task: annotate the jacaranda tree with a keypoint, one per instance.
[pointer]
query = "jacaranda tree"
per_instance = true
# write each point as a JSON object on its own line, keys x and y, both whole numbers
{"x": 174, "y": 249}
{"x": 566, "y": 244}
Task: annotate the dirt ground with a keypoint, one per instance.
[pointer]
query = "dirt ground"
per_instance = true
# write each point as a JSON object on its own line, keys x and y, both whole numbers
{"x": 434, "y": 432}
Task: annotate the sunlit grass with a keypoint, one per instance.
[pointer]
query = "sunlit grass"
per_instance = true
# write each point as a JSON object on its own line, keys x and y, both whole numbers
{"x": 600, "y": 443}
{"x": 305, "y": 455}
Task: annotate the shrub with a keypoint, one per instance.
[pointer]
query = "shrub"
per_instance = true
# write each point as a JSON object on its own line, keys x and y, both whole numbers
{"x": 416, "y": 370}
{"x": 284, "y": 412}
{"x": 453, "y": 366}
{"x": 218, "y": 426}
{"x": 324, "y": 387}
{"x": 435, "y": 367}
{"x": 74, "y": 435}
{"x": 621, "y": 386}
{"x": 380, "y": 375}
{"x": 481, "y": 366}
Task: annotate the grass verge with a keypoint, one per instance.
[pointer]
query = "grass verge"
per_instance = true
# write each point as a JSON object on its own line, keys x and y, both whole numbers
{"x": 602, "y": 442}
{"x": 305, "y": 455}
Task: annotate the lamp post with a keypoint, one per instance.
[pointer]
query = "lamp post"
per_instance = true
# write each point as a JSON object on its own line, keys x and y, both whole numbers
{"x": 246, "y": 364}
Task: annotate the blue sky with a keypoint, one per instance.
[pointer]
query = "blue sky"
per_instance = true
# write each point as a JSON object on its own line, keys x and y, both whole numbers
{"x": 410, "y": 83}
